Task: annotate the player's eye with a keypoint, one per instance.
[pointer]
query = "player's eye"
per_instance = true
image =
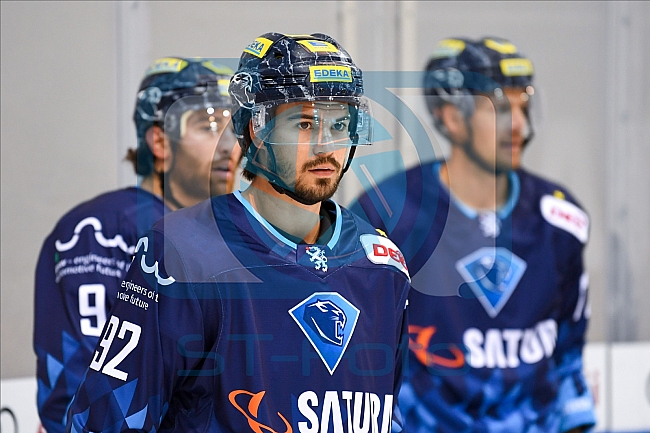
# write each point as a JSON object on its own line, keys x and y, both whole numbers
{"x": 340, "y": 126}
{"x": 208, "y": 126}
{"x": 304, "y": 125}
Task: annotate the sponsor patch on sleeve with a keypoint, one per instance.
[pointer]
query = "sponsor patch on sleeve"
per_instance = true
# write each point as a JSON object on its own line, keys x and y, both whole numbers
{"x": 258, "y": 47}
{"x": 382, "y": 251}
{"x": 566, "y": 216}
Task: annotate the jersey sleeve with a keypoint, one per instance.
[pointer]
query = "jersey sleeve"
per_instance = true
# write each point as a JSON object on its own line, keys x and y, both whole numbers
{"x": 50, "y": 310}
{"x": 73, "y": 282}
{"x": 575, "y": 402}
{"x": 138, "y": 361}
{"x": 401, "y": 357}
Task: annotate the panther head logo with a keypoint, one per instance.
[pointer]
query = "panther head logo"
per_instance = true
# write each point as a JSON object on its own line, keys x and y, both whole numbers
{"x": 241, "y": 89}
{"x": 327, "y": 320}
{"x": 492, "y": 273}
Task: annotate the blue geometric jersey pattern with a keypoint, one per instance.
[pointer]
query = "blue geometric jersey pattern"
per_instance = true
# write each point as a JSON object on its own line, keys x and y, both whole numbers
{"x": 80, "y": 267}
{"x": 498, "y": 309}
{"x": 224, "y": 325}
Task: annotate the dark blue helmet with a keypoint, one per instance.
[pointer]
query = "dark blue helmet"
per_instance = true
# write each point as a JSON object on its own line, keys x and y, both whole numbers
{"x": 280, "y": 69}
{"x": 465, "y": 67}
{"x": 170, "y": 87}
{"x": 460, "y": 68}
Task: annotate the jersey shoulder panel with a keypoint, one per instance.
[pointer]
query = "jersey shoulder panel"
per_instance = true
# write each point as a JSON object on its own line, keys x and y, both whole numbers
{"x": 402, "y": 200}
{"x": 126, "y": 213}
{"x": 202, "y": 236}
{"x": 113, "y": 202}
{"x": 378, "y": 248}
{"x": 555, "y": 203}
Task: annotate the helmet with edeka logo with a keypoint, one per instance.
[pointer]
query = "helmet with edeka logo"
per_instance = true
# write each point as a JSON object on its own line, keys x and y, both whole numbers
{"x": 278, "y": 69}
{"x": 170, "y": 87}
{"x": 460, "y": 68}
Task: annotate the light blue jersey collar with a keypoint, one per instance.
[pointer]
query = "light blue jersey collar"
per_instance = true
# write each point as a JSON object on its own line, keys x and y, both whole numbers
{"x": 332, "y": 242}
{"x": 503, "y": 212}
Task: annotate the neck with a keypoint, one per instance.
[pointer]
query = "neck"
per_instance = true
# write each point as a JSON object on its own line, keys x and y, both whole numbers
{"x": 153, "y": 184}
{"x": 175, "y": 195}
{"x": 474, "y": 186}
{"x": 290, "y": 216}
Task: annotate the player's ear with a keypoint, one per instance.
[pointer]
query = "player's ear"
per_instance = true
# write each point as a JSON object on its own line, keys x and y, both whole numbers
{"x": 160, "y": 148}
{"x": 254, "y": 140}
{"x": 454, "y": 121}
{"x": 233, "y": 167}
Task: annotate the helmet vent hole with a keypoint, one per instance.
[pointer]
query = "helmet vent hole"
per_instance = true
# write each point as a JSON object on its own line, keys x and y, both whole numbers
{"x": 278, "y": 55}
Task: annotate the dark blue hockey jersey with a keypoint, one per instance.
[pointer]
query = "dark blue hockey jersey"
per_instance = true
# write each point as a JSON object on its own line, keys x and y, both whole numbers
{"x": 81, "y": 264}
{"x": 498, "y": 308}
{"x": 224, "y": 325}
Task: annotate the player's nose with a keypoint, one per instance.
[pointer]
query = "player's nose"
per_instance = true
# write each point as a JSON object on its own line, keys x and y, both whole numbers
{"x": 519, "y": 120}
{"x": 227, "y": 140}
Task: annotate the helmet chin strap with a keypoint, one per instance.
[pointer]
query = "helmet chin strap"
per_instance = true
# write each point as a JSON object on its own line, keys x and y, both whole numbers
{"x": 167, "y": 193}
{"x": 473, "y": 155}
{"x": 276, "y": 181}
{"x": 292, "y": 194}
{"x": 278, "y": 185}
{"x": 470, "y": 151}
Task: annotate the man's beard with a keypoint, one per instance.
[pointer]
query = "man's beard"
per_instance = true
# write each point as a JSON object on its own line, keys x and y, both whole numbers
{"x": 324, "y": 188}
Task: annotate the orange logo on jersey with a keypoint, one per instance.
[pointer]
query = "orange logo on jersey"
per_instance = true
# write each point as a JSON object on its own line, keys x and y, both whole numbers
{"x": 420, "y": 346}
{"x": 253, "y": 407}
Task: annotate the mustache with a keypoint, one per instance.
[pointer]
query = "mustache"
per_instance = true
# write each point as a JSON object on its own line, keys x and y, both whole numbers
{"x": 322, "y": 159}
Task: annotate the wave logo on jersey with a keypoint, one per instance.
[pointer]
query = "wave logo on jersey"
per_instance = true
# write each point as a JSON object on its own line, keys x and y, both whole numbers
{"x": 117, "y": 241}
{"x": 328, "y": 320}
{"x": 492, "y": 274}
{"x": 144, "y": 242}
{"x": 252, "y": 410}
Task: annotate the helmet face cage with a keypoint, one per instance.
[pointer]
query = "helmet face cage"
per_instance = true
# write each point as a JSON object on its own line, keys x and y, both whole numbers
{"x": 314, "y": 76}
{"x": 206, "y": 98}
{"x": 170, "y": 87}
{"x": 334, "y": 122}
{"x": 460, "y": 69}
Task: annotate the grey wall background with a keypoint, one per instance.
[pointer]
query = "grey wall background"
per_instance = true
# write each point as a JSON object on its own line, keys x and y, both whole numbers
{"x": 70, "y": 71}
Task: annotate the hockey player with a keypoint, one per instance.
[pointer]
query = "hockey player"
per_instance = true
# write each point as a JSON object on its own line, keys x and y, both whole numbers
{"x": 182, "y": 111}
{"x": 499, "y": 310}
{"x": 273, "y": 309}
